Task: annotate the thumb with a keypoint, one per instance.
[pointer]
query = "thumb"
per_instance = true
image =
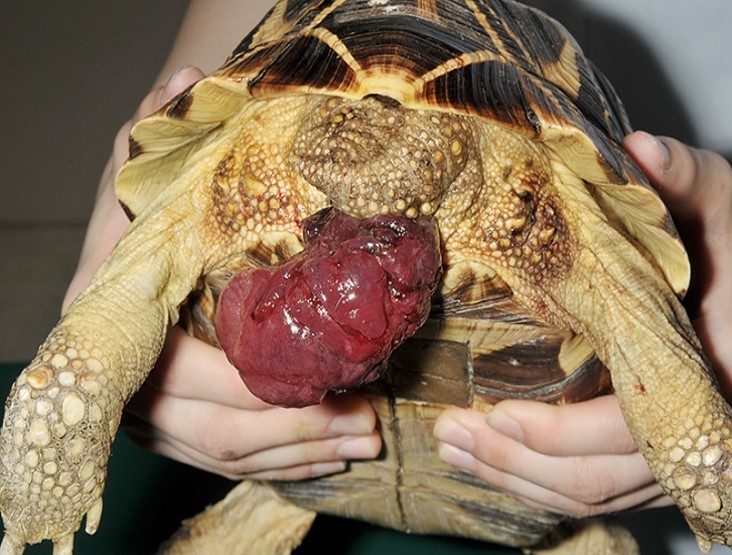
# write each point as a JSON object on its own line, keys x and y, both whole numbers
{"x": 694, "y": 183}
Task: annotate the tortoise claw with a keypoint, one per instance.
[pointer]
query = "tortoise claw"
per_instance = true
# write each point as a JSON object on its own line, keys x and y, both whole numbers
{"x": 64, "y": 545}
{"x": 705, "y": 546}
{"x": 93, "y": 517}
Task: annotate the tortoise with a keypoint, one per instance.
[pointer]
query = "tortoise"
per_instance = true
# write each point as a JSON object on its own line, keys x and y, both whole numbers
{"x": 559, "y": 271}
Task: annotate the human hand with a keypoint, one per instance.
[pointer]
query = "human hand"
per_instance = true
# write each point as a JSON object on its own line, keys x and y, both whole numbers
{"x": 696, "y": 185}
{"x": 193, "y": 407}
{"x": 108, "y": 220}
{"x": 580, "y": 459}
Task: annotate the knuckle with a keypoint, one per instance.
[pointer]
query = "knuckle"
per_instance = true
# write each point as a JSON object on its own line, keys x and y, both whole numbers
{"x": 308, "y": 429}
{"x": 712, "y": 172}
{"x": 219, "y": 439}
{"x": 316, "y": 451}
{"x": 495, "y": 454}
{"x": 239, "y": 469}
{"x": 718, "y": 164}
{"x": 593, "y": 484}
{"x": 688, "y": 167}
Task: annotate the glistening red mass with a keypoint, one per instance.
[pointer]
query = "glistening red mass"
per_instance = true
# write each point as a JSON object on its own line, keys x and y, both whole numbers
{"x": 328, "y": 319}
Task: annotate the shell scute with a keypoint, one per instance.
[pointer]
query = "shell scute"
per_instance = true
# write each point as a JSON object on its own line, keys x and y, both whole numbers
{"x": 490, "y": 89}
{"x": 305, "y": 63}
{"x": 180, "y": 105}
{"x": 541, "y": 46}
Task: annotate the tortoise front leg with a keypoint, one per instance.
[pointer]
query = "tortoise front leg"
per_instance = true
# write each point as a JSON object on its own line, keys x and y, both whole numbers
{"x": 679, "y": 420}
{"x": 62, "y": 415}
{"x": 65, "y": 407}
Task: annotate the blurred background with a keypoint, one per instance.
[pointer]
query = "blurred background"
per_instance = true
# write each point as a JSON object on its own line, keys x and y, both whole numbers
{"x": 73, "y": 73}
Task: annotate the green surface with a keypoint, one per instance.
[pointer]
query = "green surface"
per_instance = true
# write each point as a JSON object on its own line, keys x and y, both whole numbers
{"x": 147, "y": 496}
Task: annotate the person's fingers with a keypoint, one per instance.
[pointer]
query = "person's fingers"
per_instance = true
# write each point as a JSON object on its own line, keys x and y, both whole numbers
{"x": 305, "y": 459}
{"x": 227, "y": 433}
{"x": 580, "y": 503}
{"x": 557, "y": 430}
{"x": 195, "y": 408}
{"x": 564, "y": 430}
{"x": 692, "y": 182}
{"x": 289, "y": 466}
{"x": 189, "y": 368}
{"x": 578, "y": 459}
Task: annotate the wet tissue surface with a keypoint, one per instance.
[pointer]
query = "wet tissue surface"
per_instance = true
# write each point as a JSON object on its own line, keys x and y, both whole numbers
{"x": 329, "y": 318}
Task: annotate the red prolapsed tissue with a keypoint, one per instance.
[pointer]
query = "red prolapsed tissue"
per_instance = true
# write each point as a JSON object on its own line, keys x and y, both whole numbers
{"x": 328, "y": 319}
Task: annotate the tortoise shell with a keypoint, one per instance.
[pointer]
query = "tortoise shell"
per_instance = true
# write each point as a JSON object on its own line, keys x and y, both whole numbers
{"x": 509, "y": 64}
{"x": 497, "y": 61}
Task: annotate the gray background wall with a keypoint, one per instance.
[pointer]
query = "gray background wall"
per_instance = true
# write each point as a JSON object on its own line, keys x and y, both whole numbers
{"x": 70, "y": 78}
{"x": 73, "y": 72}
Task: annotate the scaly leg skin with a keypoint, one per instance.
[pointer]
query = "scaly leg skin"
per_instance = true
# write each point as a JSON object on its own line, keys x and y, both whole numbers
{"x": 62, "y": 416}
{"x": 595, "y": 536}
{"x": 64, "y": 545}
{"x": 680, "y": 422}
{"x": 65, "y": 407}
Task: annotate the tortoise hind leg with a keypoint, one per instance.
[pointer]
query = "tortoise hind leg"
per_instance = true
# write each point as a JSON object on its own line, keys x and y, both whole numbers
{"x": 587, "y": 273}
{"x": 251, "y": 520}
{"x": 599, "y": 537}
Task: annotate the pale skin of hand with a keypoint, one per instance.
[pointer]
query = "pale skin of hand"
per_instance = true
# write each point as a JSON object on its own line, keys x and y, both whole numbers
{"x": 580, "y": 459}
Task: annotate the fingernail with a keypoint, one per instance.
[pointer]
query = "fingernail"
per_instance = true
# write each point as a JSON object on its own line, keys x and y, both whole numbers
{"x": 358, "y": 448}
{"x": 665, "y": 154}
{"x": 326, "y": 468}
{"x": 176, "y": 74}
{"x": 504, "y": 424}
{"x": 350, "y": 424}
{"x": 662, "y": 149}
{"x": 451, "y": 432}
{"x": 171, "y": 86}
{"x": 456, "y": 457}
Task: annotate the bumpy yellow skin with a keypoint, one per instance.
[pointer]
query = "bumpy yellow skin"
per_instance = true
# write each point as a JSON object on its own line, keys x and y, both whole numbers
{"x": 65, "y": 411}
{"x": 498, "y": 199}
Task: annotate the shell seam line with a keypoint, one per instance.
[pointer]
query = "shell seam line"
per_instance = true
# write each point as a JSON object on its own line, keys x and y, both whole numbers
{"x": 397, "y": 434}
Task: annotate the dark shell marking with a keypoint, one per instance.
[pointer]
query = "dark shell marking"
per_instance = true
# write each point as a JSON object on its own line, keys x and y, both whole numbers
{"x": 509, "y": 64}
{"x": 493, "y": 68}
